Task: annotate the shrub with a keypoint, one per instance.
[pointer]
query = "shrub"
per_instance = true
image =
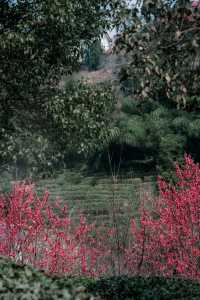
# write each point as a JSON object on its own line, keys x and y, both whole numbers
{"x": 140, "y": 288}
{"x": 43, "y": 235}
{"x": 166, "y": 240}
{"x": 23, "y": 282}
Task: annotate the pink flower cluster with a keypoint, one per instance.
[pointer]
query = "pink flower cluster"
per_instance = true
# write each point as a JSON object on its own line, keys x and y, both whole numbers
{"x": 43, "y": 235}
{"x": 165, "y": 241}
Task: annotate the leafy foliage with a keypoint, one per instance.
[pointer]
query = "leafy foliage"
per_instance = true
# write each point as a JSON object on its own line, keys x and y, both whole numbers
{"x": 162, "y": 41}
{"x": 166, "y": 241}
{"x": 93, "y": 55}
{"x": 152, "y": 134}
{"x": 30, "y": 147}
{"x": 23, "y": 282}
{"x": 40, "y": 41}
{"x": 84, "y": 110}
{"x": 26, "y": 153}
{"x": 43, "y": 40}
{"x": 19, "y": 282}
{"x": 140, "y": 288}
{"x": 149, "y": 136}
{"x": 38, "y": 233}
{"x": 163, "y": 241}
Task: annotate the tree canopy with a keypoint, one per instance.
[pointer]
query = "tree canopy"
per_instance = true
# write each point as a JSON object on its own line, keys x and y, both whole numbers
{"x": 40, "y": 41}
{"x": 162, "y": 41}
{"x": 159, "y": 117}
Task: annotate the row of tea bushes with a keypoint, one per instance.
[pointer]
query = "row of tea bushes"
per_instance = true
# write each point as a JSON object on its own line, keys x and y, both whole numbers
{"x": 140, "y": 288}
{"x": 23, "y": 282}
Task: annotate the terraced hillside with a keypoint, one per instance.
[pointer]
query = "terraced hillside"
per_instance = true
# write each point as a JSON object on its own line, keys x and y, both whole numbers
{"x": 98, "y": 197}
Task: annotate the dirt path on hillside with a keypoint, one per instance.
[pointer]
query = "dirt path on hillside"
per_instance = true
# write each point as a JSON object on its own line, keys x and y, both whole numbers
{"x": 98, "y": 76}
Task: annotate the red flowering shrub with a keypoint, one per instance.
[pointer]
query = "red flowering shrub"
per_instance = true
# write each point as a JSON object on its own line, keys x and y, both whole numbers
{"x": 32, "y": 233}
{"x": 167, "y": 239}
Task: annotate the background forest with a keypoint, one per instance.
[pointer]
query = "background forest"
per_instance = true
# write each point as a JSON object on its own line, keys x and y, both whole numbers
{"x": 146, "y": 117}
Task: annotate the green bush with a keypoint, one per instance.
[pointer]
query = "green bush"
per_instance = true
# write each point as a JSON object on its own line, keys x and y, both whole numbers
{"x": 22, "y": 282}
{"x": 139, "y": 288}
{"x": 152, "y": 137}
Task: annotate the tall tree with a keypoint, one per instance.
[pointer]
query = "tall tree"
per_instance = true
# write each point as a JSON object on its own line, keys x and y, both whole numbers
{"x": 39, "y": 41}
